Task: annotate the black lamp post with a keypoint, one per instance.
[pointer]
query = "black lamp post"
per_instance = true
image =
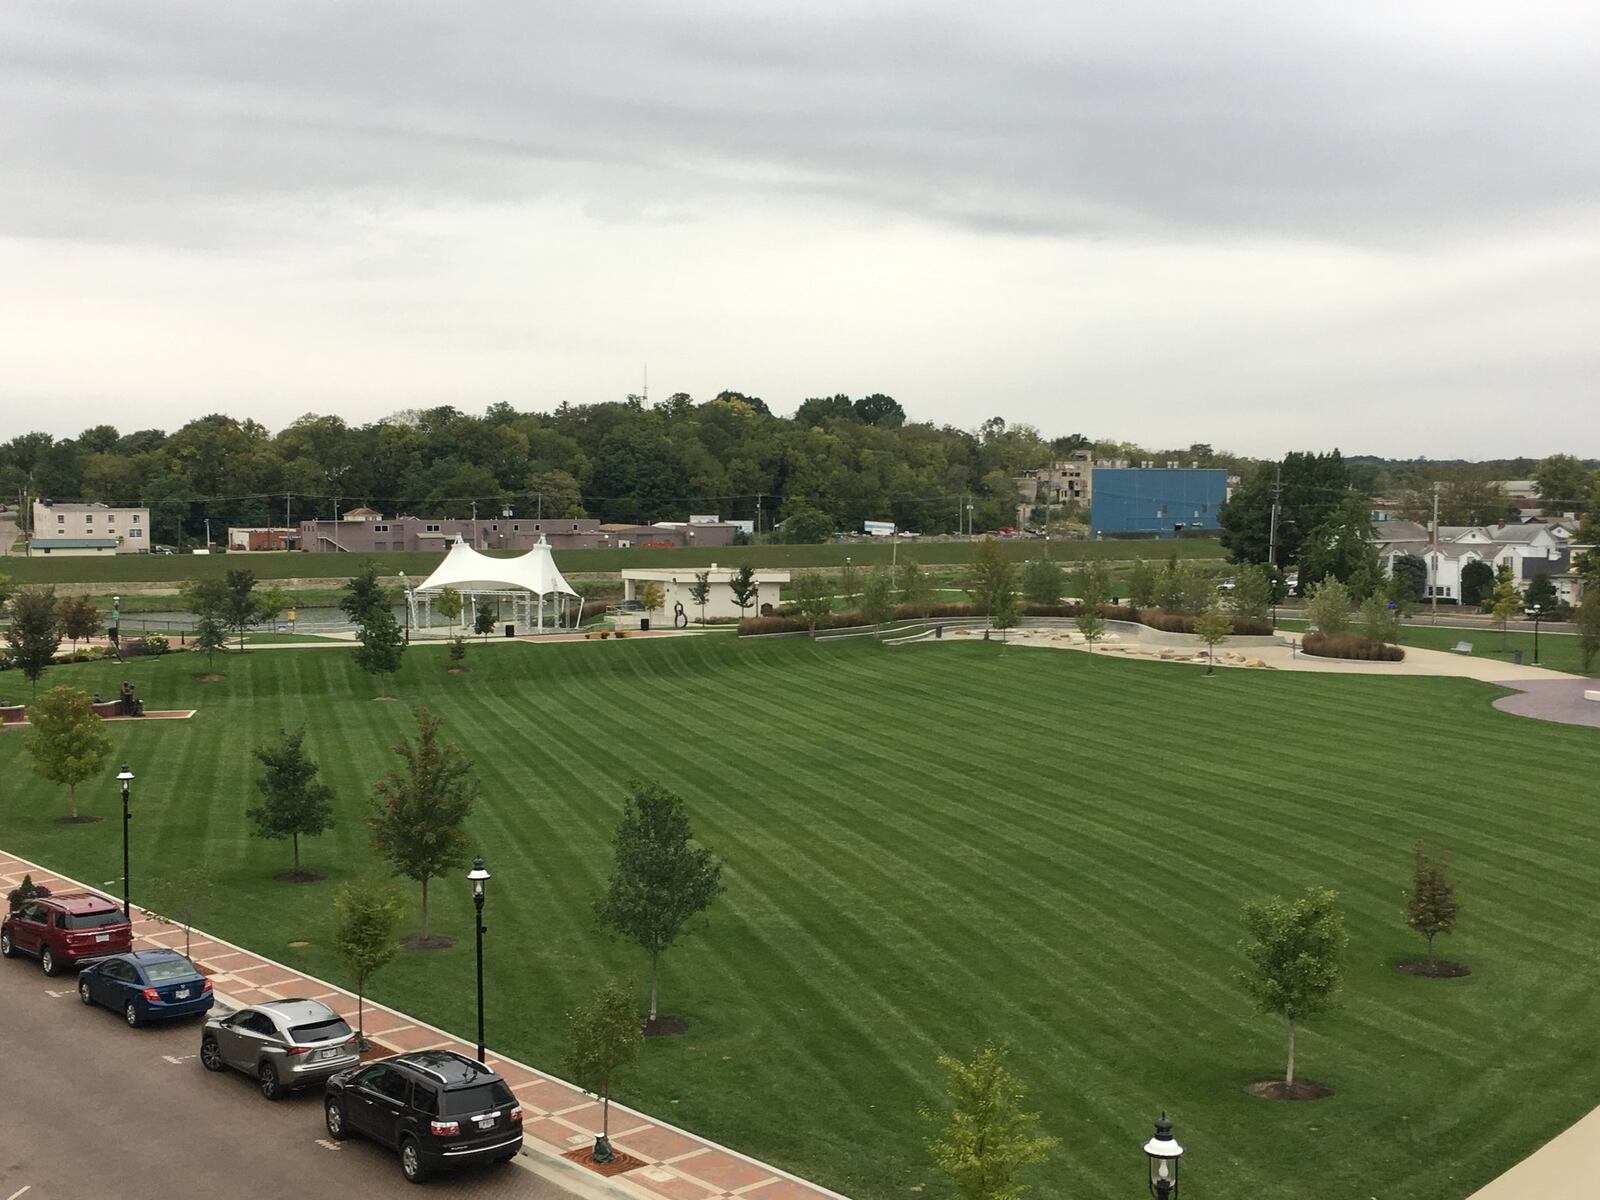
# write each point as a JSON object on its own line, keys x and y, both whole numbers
{"x": 478, "y": 875}
{"x": 126, "y": 776}
{"x": 1538, "y": 611}
{"x": 1163, "y": 1152}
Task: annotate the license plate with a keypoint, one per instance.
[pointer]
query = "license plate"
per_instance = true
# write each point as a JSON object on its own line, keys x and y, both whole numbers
{"x": 102, "y": 937}
{"x": 487, "y": 1123}
{"x": 182, "y": 993}
{"x": 330, "y": 1052}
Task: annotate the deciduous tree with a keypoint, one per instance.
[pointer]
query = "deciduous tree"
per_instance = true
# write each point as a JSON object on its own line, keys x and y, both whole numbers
{"x": 1328, "y": 607}
{"x": 1477, "y": 583}
{"x": 1588, "y": 619}
{"x": 1213, "y": 628}
{"x": 603, "y": 1041}
{"x": 877, "y": 599}
{"x": 34, "y": 634}
{"x": 992, "y": 582}
{"x": 417, "y": 809}
{"x": 1507, "y": 601}
{"x": 659, "y": 878}
{"x": 916, "y": 588}
{"x": 813, "y": 596}
{"x": 450, "y": 604}
{"x": 240, "y": 606}
{"x": 294, "y": 802}
{"x": 1141, "y": 584}
{"x": 367, "y": 911}
{"x": 700, "y": 592}
{"x": 744, "y": 587}
{"x": 986, "y": 1138}
{"x": 210, "y": 636}
{"x": 68, "y": 742}
{"x": 79, "y": 618}
{"x": 1042, "y": 581}
{"x": 1091, "y": 589}
{"x": 1431, "y": 904}
{"x": 651, "y": 597}
{"x": 1294, "y": 957}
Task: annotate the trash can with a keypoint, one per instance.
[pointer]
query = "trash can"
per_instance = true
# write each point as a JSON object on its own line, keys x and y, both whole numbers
{"x": 938, "y": 631}
{"x": 1516, "y": 657}
{"x": 511, "y": 631}
{"x": 644, "y": 624}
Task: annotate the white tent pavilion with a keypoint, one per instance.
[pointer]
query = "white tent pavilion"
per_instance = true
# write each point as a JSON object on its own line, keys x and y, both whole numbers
{"x": 530, "y": 583}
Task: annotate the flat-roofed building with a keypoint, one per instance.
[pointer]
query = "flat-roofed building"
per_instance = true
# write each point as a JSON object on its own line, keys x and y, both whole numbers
{"x": 61, "y": 526}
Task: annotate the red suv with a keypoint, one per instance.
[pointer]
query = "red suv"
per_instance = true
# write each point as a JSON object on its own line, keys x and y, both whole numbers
{"x": 66, "y": 931}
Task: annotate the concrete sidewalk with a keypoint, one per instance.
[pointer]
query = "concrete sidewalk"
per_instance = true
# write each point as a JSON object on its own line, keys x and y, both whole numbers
{"x": 559, "y": 1118}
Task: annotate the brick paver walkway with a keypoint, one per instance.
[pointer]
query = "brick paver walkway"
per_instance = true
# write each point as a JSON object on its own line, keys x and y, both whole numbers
{"x": 558, "y": 1116}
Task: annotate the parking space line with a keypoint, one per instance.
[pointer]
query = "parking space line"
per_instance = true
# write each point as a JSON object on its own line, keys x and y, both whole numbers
{"x": 19, "y": 1191}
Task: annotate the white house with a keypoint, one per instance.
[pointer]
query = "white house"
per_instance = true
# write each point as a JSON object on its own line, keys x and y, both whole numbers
{"x": 1529, "y": 550}
{"x": 63, "y": 528}
{"x": 675, "y": 585}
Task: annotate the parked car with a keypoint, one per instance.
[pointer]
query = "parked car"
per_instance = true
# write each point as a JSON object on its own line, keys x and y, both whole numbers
{"x": 66, "y": 931}
{"x": 1226, "y": 585}
{"x": 147, "y": 985}
{"x": 284, "y": 1045}
{"x": 437, "y": 1108}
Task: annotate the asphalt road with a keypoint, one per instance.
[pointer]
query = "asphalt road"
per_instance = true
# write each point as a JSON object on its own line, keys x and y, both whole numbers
{"x": 90, "y": 1107}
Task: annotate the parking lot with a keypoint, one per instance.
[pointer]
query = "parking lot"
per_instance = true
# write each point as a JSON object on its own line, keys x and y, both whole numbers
{"x": 93, "y": 1107}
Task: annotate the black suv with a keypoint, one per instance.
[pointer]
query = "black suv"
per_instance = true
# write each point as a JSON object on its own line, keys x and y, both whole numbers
{"x": 436, "y": 1107}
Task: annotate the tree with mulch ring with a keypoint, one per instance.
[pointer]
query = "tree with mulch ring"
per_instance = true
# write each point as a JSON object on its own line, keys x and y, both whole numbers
{"x": 294, "y": 802}
{"x": 458, "y": 654}
{"x": 364, "y": 936}
{"x": 1431, "y": 909}
{"x": 416, "y": 812}
{"x": 605, "y": 1040}
{"x": 1294, "y": 957}
{"x": 68, "y": 743}
{"x": 659, "y": 882}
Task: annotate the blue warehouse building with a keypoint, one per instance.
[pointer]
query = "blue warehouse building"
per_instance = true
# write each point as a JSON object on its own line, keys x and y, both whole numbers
{"x": 1151, "y": 502}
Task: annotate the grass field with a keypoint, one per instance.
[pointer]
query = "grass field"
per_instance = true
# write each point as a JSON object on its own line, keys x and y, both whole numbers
{"x": 155, "y": 568}
{"x": 933, "y": 845}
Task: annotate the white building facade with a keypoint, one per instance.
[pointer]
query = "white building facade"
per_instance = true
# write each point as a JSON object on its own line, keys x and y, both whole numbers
{"x": 676, "y": 585}
{"x": 70, "y": 528}
{"x": 1528, "y": 550}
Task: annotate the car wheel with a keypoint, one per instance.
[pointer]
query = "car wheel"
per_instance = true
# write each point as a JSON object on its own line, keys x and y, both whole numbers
{"x": 47, "y": 961}
{"x": 267, "y": 1078}
{"x": 333, "y": 1114}
{"x": 411, "y": 1164}
{"x": 6, "y": 950}
{"x": 211, "y": 1054}
{"x": 131, "y": 1013}
{"x": 506, "y": 1157}
{"x": 83, "y": 991}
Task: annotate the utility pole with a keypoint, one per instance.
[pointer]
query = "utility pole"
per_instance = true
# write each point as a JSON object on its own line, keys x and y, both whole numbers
{"x": 1272, "y": 539}
{"x": 474, "y": 524}
{"x": 1433, "y": 557}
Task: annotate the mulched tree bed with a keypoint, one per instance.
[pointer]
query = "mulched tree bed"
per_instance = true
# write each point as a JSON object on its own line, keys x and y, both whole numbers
{"x": 665, "y": 1026}
{"x": 83, "y": 820}
{"x": 211, "y": 677}
{"x": 299, "y": 877}
{"x": 619, "y": 1163}
{"x": 1300, "y": 1089}
{"x": 1434, "y": 969}
{"x": 434, "y": 942}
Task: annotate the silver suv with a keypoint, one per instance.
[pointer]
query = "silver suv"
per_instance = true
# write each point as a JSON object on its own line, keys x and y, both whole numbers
{"x": 283, "y": 1044}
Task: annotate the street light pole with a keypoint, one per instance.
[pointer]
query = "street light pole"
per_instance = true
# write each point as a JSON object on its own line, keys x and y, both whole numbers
{"x": 1538, "y": 611}
{"x": 478, "y": 875}
{"x": 126, "y": 776}
{"x": 1163, "y": 1152}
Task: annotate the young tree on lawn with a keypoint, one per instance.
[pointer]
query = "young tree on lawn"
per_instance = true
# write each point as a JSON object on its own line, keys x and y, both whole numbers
{"x": 382, "y": 643}
{"x": 744, "y": 588}
{"x": 1328, "y": 607}
{"x": 241, "y": 608}
{"x": 985, "y": 1136}
{"x": 449, "y": 604}
{"x": 458, "y": 650}
{"x": 1141, "y": 584}
{"x": 79, "y": 618}
{"x": 483, "y": 623}
{"x": 1477, "y": 583}
{"x": 605, "y": 1039}
{"x": 1251, "y": 597}
{"x": 992, "y": 581}
{"x": 363, "y": 593}
{"x": 1431, "y": 905}
{"x": 34, "y": 634}
{"x": 1213, "y": 628}
{"x": 416, "y": 811}
{"x": 651, "y": 597}
{"x": 294, "y": 802}
{"x": 1089, "y": 583}
{"x": 210, "y": 636}
{"x": 1294, "y": 957}
{"x": 182, "y": 899}
{"x": 877, "y": 600}
{"x": 700, "y": 592}
{"x": 1588, "y": 619}
{"x": 916, "y": 589}
{"x": 813, "y": 596}
{"x": 1507, "y": 601}
{"x": 270, "y": 601}
{"x": 1042, "y": 581}
{"x": 367, "y": 912}
{"x": 68, "y": 742}
{"x": 659, "y": 879}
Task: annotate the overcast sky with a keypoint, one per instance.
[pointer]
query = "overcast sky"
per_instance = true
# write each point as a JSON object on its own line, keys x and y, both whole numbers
{"x": 1263, "y": 226}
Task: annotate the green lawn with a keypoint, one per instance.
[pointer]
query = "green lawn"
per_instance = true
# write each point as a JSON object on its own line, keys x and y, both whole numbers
{"x": 147, "y": 568}
{"x": 933, "y": 845}
{"x": 1558, "y": 651}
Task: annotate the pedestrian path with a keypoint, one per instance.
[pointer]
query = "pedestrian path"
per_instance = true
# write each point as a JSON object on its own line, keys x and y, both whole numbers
{"x": 559, "y": 1118}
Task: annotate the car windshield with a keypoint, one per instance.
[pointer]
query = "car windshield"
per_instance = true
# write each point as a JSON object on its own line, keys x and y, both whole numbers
{"x": 94, "y": 920}
{"x": 321, "y": 1031}
{"x": 480, "y": 1097}
{"x": 169, "y": 969}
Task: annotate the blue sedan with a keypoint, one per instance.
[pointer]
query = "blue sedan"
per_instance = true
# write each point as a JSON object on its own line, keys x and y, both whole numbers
{"x": 146, "y": 985}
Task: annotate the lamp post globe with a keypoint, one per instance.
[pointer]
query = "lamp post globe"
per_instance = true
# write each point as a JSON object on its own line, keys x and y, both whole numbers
{"x": 125, "y": 777}
{"x": 478, "y": 876}
{"x": 1163, "y": 1153}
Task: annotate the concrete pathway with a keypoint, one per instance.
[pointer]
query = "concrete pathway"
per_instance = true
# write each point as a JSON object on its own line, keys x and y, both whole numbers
{"x": 559, "y": 1118}
{"x": 1559, "y": 700}
{"x": 1556, "y": 1169}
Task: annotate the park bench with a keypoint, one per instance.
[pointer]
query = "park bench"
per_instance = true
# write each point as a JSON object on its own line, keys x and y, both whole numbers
{"x": 1463, "y": 647}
